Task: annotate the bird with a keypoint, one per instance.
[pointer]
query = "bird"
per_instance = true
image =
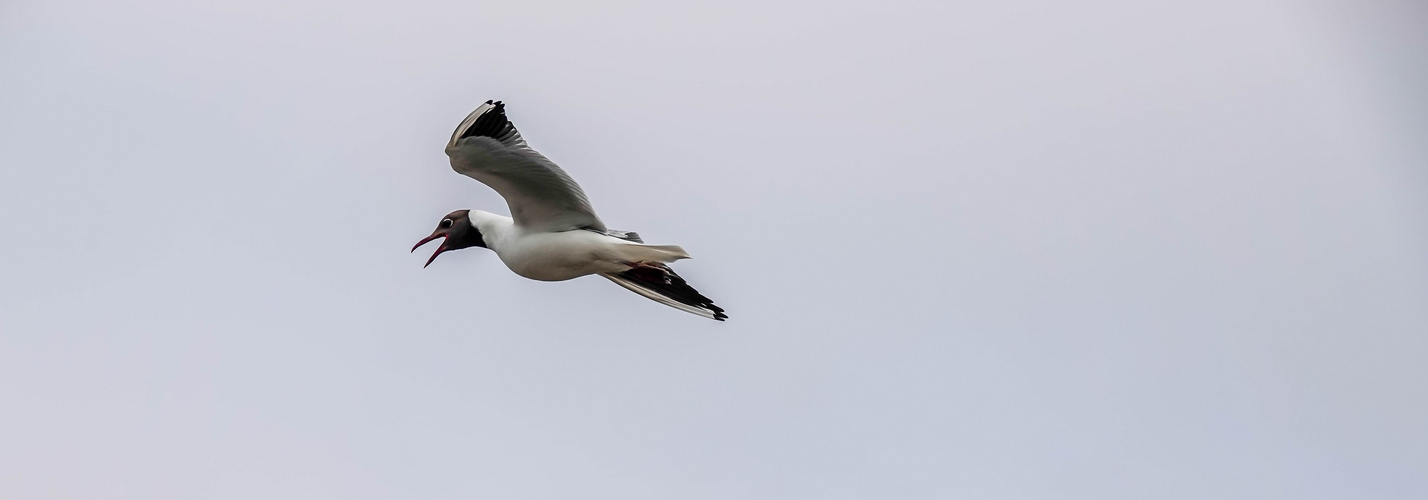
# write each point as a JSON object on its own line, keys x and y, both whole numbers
{"x": 552, "y": 233}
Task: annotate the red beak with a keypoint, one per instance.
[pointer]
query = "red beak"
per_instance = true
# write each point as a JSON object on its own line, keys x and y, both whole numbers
{"x": 439, "y": 249}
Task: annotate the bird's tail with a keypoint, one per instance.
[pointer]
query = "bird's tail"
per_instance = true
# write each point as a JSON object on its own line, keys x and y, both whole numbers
{"x": 660, "y": 284}
{"x": 651, "y": 253}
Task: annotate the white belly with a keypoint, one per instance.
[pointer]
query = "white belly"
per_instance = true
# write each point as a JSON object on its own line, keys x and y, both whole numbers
{"x": 561, "y": 256}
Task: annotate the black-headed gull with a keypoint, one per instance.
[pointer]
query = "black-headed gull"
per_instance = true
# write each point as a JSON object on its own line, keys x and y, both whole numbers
{"x": 552, "y": 234}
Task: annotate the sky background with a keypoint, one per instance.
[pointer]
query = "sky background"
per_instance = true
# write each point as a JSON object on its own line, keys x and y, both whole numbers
{"x": 1003, "y": 250}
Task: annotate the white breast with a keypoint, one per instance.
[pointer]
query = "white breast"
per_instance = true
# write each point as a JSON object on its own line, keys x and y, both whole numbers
{"x": 560, "y": 256}
{"x": 564, "y": 255}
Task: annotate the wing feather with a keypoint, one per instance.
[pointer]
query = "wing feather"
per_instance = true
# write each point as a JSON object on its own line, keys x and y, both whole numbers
{"x": 541, "y": 196}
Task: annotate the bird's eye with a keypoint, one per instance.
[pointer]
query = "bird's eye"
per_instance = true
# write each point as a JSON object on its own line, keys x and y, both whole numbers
{"x": 445, "y": 223}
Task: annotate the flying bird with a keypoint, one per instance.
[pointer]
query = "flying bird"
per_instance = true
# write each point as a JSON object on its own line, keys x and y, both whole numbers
{"x": 552, "y": 233}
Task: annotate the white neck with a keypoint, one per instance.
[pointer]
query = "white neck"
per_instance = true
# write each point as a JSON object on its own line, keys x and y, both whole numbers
{"x": 495, "y": 229}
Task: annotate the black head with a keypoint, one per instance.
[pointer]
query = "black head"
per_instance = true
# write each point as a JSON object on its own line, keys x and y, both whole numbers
{"x": 459, "y": 233}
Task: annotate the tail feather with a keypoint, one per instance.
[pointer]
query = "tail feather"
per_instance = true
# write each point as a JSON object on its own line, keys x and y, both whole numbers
{"x": 661, "y": 284}
{"x": 672, "y": 252}
{"x": 651, "y": 253}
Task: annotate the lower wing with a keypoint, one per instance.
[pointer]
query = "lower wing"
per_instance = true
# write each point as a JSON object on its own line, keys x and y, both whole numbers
{"x": 660, "y": 284}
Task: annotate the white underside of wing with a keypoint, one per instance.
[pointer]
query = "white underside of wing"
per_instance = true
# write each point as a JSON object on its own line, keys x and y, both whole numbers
{"x": 540, "y": 194}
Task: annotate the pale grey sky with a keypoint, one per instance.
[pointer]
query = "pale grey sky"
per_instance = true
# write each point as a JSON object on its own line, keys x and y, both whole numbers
{"x": 1007, "y": 250}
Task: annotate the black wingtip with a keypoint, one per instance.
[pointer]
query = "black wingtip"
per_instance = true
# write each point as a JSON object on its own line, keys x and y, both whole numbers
{"x": 492, "y": 123}
{"x": 660, "y": 279}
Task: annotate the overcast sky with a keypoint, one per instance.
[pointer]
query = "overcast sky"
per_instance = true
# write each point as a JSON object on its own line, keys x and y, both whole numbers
{"x": 1008, "y": 250}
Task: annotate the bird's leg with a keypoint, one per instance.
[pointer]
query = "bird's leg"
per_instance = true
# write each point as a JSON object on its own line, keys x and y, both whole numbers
{"x": 651, "y": 270}
{"x": 645, "y": 264}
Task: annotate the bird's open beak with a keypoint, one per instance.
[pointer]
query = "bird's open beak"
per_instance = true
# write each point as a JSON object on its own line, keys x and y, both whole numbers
{"x": 439, "y": 249}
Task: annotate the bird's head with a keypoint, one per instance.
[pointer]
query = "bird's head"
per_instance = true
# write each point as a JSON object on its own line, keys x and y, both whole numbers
{"x": 458, "y": 232}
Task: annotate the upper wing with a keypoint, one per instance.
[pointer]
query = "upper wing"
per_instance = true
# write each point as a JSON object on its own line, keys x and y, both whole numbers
{"x": 541, "y": 196}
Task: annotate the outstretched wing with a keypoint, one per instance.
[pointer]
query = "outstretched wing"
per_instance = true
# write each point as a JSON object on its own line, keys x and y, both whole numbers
{"x": 658, "y": 282}
{"x": 541, "y": 196}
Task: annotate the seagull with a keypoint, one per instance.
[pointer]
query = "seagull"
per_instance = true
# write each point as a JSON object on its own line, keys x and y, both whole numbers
{"x": 552, "y": 233}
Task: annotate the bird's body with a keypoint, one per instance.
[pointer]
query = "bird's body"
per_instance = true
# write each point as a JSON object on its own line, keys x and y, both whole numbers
{"x": 553, "y": 233}
{"x": 564, "y": 255}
